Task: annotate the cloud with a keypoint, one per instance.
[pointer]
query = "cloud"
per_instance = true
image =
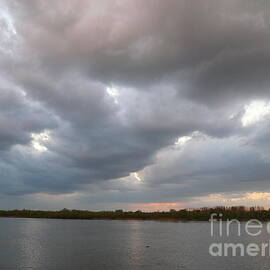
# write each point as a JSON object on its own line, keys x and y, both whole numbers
{"x": 160, "y": 90}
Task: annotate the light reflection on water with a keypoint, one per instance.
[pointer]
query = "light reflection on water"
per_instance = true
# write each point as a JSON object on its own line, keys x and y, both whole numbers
{"x": 31, "y": 243}
{"x": 136, "y": 243}
{"x": 115, "y": 245}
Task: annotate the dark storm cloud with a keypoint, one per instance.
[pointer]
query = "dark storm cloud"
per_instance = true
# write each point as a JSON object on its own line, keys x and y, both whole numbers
{"x": 234, "y": 76}
{"x": 19, "y": 118}
{"x": 139, "y": 42}
{"x": 176, "y": 66}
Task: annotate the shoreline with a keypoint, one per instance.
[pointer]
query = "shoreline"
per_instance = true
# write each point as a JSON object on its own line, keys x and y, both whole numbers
{"x": 139, "y": 219}
{"x": 129, "y": 219}
{"x": 184, "y": 215}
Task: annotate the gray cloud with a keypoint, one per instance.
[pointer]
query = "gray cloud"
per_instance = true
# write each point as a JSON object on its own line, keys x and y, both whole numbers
{"x": 171, "y": 68}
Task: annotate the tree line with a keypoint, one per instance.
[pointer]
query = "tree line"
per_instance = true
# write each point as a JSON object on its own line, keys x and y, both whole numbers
{"x": 200, "y": 214}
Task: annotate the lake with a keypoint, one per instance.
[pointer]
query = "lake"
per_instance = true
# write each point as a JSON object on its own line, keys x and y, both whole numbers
{"x": 107, "y": 244}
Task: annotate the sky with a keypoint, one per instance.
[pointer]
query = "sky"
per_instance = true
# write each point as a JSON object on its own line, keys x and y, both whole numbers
{"x": 151, "y": 105}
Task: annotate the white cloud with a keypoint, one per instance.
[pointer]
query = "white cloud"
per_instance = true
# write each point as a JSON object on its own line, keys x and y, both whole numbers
{"x": 114, "y": 93}
{"x": 183, "y": 140}
{"x": 137, "y": 177}
{"x": 38, "y": 140}
{"x": 254, "y": 112}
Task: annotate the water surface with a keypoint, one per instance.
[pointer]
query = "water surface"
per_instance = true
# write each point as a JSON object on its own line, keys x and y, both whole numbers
{"x": 84, "y": 244}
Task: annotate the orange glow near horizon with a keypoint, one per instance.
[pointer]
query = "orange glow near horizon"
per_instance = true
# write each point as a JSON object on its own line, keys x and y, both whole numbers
{"x": 247, "y": 199}
{"x": 157, "y": 206}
